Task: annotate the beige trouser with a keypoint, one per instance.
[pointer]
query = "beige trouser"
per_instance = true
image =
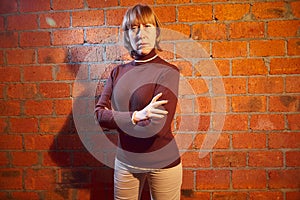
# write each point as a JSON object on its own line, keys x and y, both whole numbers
{"x": 165, "y": 184}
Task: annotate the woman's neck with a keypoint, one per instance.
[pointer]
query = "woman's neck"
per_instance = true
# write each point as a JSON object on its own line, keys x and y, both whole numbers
{"x": 145, "y": 58}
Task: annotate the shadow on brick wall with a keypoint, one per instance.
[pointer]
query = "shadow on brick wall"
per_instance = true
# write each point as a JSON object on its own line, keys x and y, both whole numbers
{"x": 80, "y": 175}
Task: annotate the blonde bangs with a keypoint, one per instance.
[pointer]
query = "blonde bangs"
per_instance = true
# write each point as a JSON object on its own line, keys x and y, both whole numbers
{"x": 139, "y": 15}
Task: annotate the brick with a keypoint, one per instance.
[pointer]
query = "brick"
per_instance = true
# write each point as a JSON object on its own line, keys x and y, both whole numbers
{"x": 11, "y": 179}
{"x": 176, "y": 31}
{"x": 265, "y": 159}
{"x": 34, "y": 39}
{"x": 10, "y": 74}
{"x": 38, "y": 107}
{"x": 267, "y": 122}
{"x": 164, "y": 16}
{"x": 53, "y": 125}
{"x": 11, "y": 142}
{"x": 67, "y": 72}
{"x": 4, "y": 159}
{"x": 284, "y": 140}
{"x": 249, "y": 141}
{"x": 285, "y": 66}
{"x": 231, "y": 11}
{"x": 87, "y": 54}
{"x": 212, "y": 179}
{"x": 247, "y": 30}
{"x": 185, "y": 68}
{"x": 229, "y": 195}
{"x": 284, "y": 103}
{"x": 63, "y": 107}
{"x": 223, "y": 67}
{"x": 115, "y": 16}
{"x": 269, "y": 10}
{"x": 102, "y": 4}
{"x": 69, "y": 142}
{"x": 229, "y": 159}
{"x": 133, "y": 2}
{"x": 25, "y": 158}
{"x": 192, "y": 159}
{"x": 67, "y": 37}
{"x": 1, "y": 58}
{"x": 38, "y": 141}
{"x": 188, "y": 179}
{"x": 194, "y": 13}
{"x": 172, "y": 1}
{"x": 190, "y": 49}
{"x": 249, "y": 104}
{"x": 235, "y": 122}
{"x": 59, "y": 194}
{"x": 293, "y": 48}
{"x": 39, "y": 179}
{"x": 32, "y": 6}
{"x": 102, "y": 35}
{"x": 284, "y": 179}
{"x": 203, "y": 105}
{"x": 2, "y": 91}
{"x": 37, "y": 73}
{"x": 229, "y": 49}
{"x": 249, "y": 179}
{"x": 53, "y": 158}
{"x": 2, "y": 23}
{"x": 267, "y": 48}
{"x": 83, "y": 159}
{"x": 266, "y": 195}
{"x": 293, "y": 122}
{"x": 292, "y": 195}
{"x": 193, "y": 195}
{"x": 296, "y": 8}
{"x": 265, "y": 85}
{"x": 88, "y": 18}
{"x": 22, "y": 22}
{"x": 291, "y": 84}
{"x": 8, "y": 6}
{"x": 65, "y": 5}
{"x": 221, "y": 143}
{"x": 283, "y": 28}
{"x": 61, "y": 19}
{"x": 201, "y": 123}
{"x": 246, "y": 67}
{"x": 52, "y": 55}
{"x": 292, "y": 158}
{"x": 231, "y": 86}
{"x": 209, "y": 32}
{"x": 22, "y": 91}
{"x": 25, "y": 195}
{"x": 23, "y": 125}
{"x": 20, "y": 56}
{"x": 199, "y": 86}
{"x": 10, "y": 108}
{"x": 8, "y": 39}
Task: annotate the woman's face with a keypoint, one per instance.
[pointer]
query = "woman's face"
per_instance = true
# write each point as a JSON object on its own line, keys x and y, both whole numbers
{"x": 142, "y": 38}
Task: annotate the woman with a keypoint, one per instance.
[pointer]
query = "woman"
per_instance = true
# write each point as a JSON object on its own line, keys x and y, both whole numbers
{"x": 139, "y": 100}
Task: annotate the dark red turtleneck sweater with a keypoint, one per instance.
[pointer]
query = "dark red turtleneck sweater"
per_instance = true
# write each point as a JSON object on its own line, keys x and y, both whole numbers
{"x": 131, "y": 87}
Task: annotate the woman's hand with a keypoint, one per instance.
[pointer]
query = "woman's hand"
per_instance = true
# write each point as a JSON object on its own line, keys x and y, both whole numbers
{"x": 151, "y": 110}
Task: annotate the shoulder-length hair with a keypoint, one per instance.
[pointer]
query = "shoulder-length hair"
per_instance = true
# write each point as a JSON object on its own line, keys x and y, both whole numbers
{"x": 140, "y": 14}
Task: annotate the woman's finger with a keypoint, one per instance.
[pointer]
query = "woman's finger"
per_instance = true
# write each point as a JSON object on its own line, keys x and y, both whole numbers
{"x": 159, "y": 103}
{"x": 154, "y": 99}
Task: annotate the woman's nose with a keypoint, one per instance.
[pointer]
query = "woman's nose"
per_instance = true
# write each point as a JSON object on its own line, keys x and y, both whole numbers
{"x": 141, "y": 31}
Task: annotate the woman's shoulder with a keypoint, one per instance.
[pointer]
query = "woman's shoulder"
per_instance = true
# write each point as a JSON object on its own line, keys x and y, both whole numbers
{"x": 167, "y": 64}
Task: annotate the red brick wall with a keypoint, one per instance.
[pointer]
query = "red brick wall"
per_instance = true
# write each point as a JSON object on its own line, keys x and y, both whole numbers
{"x": 254, "y": 44}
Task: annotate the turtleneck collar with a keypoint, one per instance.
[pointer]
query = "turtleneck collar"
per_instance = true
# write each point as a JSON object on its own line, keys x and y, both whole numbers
{"x": 140, "y": 59}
